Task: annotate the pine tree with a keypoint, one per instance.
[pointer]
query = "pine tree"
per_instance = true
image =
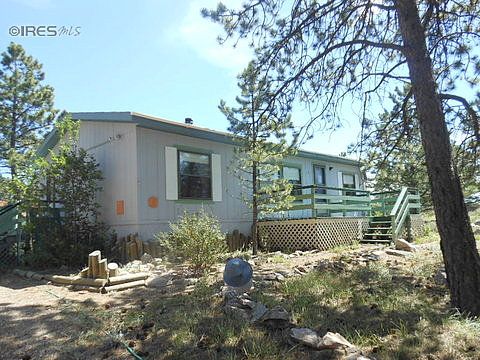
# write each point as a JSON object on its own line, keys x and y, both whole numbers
{"x": 392, "y": 153}
{"x": 26, "y": 108}
{"x": 325, "y": 53}
{"x": 261, "y": 144}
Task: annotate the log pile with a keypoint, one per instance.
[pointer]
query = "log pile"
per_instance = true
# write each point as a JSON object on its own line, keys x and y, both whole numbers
{"x": 100, "y": 276}
{"x": 131, "y": 247}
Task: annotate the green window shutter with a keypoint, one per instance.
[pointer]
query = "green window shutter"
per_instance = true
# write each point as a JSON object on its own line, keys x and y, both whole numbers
{"x": 171, "y": 173}
{"x": 216, "y": 177}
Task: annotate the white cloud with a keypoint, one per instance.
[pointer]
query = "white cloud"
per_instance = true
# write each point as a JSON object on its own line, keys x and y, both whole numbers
{"x": 201, "y": 34}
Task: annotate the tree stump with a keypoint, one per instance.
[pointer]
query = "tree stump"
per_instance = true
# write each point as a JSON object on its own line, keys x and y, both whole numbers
{"x": 113, "y": 269}
{"x": 102, "y": 269}
{"x": 93, "y": 260}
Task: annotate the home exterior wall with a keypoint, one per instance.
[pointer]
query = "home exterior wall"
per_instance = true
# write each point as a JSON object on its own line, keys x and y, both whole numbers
{"x": 132, "y": 160}
{"x": 231, "y": 211}
{"x": 331, "y": 176}
{"x": 114, "y": 147}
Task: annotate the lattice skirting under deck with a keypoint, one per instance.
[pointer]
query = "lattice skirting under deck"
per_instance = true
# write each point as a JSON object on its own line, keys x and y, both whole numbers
{"x": 417, "y": 226}
{"x": 308, "y": 234}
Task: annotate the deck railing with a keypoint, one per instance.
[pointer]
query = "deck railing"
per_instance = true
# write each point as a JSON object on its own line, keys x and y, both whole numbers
{"x": 320, "y": 201}
{"x": 325, "y": 201}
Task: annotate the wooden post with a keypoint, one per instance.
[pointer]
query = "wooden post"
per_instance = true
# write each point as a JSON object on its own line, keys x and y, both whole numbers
{"x": 113, "y": 269}
{"x": 86, "y": 282}
{"x": 123, "y": 249}
{"x": 102, "y": 269}
{"x": 84, "y": 272}
{"x": 93, "y": 260}
{"x": 127, "y": 278}
{"x": 124, "y": 286}
{"x": 139, "y": 243}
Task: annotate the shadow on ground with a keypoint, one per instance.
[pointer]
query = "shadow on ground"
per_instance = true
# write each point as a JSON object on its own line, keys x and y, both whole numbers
{"x": 392, "y": 317}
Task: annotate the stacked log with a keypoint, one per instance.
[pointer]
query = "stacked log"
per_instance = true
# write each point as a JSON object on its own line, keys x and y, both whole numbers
{"x": 131, "y": 247}
{"x": 100, "y": 276}
{"x": 113, "y": 270}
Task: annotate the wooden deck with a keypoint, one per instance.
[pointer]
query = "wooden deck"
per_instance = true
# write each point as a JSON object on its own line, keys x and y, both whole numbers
{"x": 324, "y": 217}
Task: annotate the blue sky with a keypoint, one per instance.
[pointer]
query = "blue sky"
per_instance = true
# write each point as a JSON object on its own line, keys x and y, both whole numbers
{"x": 155, "y": 57}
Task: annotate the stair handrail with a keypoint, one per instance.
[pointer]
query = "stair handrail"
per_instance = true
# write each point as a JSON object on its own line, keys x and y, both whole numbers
{"x": 7, "y": 208}
{"x": 400, "y": 212}
{"x": 6, "y": 223}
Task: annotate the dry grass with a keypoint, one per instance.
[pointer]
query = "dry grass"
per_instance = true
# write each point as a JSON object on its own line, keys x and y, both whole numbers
{"x": 391, "y": 312}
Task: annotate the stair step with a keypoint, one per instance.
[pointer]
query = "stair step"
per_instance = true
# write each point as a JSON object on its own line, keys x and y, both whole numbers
{"x": 375, "y": 241}
{"x": 380, "y": 228}
{"x": 380, "y": 222}
{"x": 378, "y": 234}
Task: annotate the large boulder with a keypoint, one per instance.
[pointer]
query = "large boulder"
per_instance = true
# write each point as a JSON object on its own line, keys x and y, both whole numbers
{"x": 402, "y": 244}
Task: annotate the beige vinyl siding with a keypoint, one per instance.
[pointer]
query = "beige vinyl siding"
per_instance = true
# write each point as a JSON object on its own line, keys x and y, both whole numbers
{"x": 114, "y": 147}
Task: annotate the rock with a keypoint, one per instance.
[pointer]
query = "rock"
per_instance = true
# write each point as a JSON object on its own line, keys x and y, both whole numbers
{"x": 236, "y": 312}
{"x": 398, "y": 253}
{"x": 379, "y": 253}
{"x": 306, "y": 337}
{"x": 268, "y": 277}
{"x": 280, "y": 277}
{"x": 276, "y": 318}
{"x": 160, "y": 281}
{"x": 258, "y": 311}
{"x": 477, "y": 222}
{"x": 334, "y": 341}
{"x": 402, "y": 244}
{"x": 298, "y": 272}
{"x": 330, "y": 341}
{"x": 276, "y": 313}
{"x": 247, "y": 303}
{"x": 440, "y": 278}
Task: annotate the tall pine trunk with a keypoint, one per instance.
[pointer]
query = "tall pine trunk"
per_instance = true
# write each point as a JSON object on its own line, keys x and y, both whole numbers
{"x": 254, "y": 210}
{"x": 462, "y": 262}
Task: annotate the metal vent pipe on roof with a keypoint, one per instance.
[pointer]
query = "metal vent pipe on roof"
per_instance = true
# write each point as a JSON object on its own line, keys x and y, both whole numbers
{"x": 189, "y": 121}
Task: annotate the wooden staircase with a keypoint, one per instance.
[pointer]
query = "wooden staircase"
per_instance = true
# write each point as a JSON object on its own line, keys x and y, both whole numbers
{"x": 379, "y": 230}
{"x": 390, "y": 215}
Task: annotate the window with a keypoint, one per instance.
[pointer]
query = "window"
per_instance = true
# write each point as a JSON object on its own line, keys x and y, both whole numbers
{"x": 349, "y": 183}
{"x": 319, "y": 178}
{"x": 194, "y": 176}
{"x": 293, "y": 176}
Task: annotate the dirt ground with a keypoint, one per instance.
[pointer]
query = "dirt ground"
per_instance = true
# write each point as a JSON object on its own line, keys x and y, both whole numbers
{"x": 43, "y": 321}
{"x": 35, "y": 318}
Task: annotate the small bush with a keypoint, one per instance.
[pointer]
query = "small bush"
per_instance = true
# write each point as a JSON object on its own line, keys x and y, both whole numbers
{"x": 195, "y": 238}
